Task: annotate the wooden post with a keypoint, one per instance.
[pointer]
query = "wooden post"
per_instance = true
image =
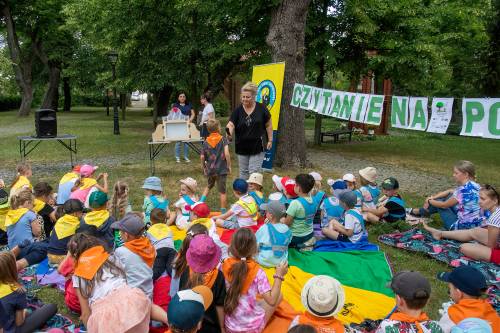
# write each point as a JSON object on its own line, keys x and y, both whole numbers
{"x": 386, "y": 115}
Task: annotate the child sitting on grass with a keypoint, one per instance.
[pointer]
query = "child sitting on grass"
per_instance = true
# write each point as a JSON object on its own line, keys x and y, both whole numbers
{"x": 21, "y": 182}
{"x": 322, "y": 297}
{"x": 243, "y": 213}
{"x": 14, "y": 303}
{"x": 300, "y": 213}
{"x": 352, "y": 227}
{"x": 391, "y": 207}
{"x": 4, "y": 208}
{"x": 331, "y": 207}
{"x": 159, "y": 233}
{"x": 368, "y": 187}
{"x": 66, "y": 184}
{"x": 108, "y": 303}
{"x": 23, "y": 231}
{"x": 278, "y": 193}
{"x": 245, "y": 280}
{"x": 187, "y": 197}
{"x": 215, "y": 162}
{"x": 43, "y": 196}
{"x": 153, "y": 198}
{"x": 187, "y": 309}
{"x": 137, "y": 255}
{"x": 64, "y": 229}
{"x": 100, "y": 218}
{"x": 318, "y": 196}
{"x": 412, "y": 291}
{"x": 87, "y": 184}
{"x": 466, "y": 286}
{"x": 274, "y": 237}
{"x": 255, "y": 182}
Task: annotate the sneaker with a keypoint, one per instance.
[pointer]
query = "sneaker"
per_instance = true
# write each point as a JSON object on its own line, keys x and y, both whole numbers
{"x": 187, "y": 160}
{"x": 178, "y": 160}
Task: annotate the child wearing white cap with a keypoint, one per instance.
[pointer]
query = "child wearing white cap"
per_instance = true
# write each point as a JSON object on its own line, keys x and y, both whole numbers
{"x": 255, "y": 184}
{"x": 323, "y": 297}
{"x": 187, "y": 197}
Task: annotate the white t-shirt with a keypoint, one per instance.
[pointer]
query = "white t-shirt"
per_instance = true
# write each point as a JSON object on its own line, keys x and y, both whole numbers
{"x": 182, "y": 219}
{"x": 494, "y": 221}
{"x": 206, "y": 111}
{"x": 352, "y": 223}
{"x": 102, "y": 288}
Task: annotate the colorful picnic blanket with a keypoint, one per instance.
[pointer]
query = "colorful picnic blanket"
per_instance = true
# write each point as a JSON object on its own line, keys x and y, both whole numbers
{"x": 446, "y": 251}
{"x": 364, "y": 275}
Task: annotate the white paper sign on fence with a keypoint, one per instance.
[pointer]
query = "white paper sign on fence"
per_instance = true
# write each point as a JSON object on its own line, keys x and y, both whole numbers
{"x": 336, "y": 103}
{"x": 348, "y": 101}
{"x": 493, "y": 127}
{"x": 374, "y": 110}
{"x": 315, "y": 98}
{"x": 297, "y": 95}
{"x": 441, "y": 115}
{"x": 418, "y": 113}
{"x": 399, "y": 112}
{"x": 481, "y": 117}
{"x": 359, "y": 109}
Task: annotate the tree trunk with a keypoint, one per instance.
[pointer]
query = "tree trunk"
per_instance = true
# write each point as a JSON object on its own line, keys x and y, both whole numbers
{"x": 492, "y": 80}
{"x": 67, "y": 94}
{"x": 286, "y": 39}
{"x": 21, "y": 63}
{"x": 161, "y": 103}
{"x": 51, "y": 97}
{"x": 320, "y": 82}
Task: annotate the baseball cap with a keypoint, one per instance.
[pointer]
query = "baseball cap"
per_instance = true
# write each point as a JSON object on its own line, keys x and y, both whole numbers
{"x": 274, "y": 207}
{"x": 277, "y": 182}
{"x": 472, "y": 325}
{"x": 349, "y": 198}
{"x": 187, "y": 307}
{"x": 369, "y": 173}
{"x": 152, "y": 183}
{"x": 131, "y": 223}
{"x": 349, "y": 177}
{"x": 190, "y": 183}
{"x": 256, "y": 178}
{"x": 97, "y": 199}
{"x": 203, "y": 254}
{"x": 200, "y": 208}
{"x": 87, "y": 170}
{"x": 240, "y": 185}
{"x": 323, "y": 296}
{"x": 408, "y": 283}
{"x": 4, "y": 198}
{"x": 465, "y": 278}
{"x": 317, "y": 177}
{"x": 390, "y": 183}
{"x": 288, "y": 185}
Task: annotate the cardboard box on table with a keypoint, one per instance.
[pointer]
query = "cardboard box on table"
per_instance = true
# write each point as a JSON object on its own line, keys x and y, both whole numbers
{"x": 176, "y": 130}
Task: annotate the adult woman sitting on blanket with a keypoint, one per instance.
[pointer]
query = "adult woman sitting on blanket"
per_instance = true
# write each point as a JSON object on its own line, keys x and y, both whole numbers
{"x": 487, "y": 247}
{"x": 458, "y": 208}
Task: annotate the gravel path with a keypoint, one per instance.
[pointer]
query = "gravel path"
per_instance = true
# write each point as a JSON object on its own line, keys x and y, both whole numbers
{"x": 418, "y": 182}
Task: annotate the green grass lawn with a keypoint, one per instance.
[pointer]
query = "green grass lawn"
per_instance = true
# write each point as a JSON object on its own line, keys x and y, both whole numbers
{"x": 126, "y": 157}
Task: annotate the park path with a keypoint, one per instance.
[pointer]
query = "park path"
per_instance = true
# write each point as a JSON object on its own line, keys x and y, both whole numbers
{"x": 410, "y": 180}
{"x": 331, "y": 164}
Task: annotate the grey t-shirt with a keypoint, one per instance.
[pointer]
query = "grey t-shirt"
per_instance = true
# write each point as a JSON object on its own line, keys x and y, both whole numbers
{"x": 138, "y": 273}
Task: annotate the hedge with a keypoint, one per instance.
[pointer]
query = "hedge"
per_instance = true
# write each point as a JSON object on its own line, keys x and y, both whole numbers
{"x": 8, "y": 103}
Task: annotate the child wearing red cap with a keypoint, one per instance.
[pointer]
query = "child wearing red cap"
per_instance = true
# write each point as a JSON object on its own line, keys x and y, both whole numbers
{"x": 199, "y": 215}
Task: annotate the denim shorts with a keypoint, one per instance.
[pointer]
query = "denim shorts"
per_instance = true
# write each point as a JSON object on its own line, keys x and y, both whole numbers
{"x": 34, "y": 253}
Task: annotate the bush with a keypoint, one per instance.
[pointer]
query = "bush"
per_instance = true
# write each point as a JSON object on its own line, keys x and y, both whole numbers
{"x": 89, "y": 100}
{"x": 221, "y": 106}
{"x": 8, "y": 103}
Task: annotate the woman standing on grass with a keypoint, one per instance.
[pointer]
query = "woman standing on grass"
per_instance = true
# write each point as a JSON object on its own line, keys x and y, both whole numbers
{"x": 458, "y": 208}
{"x": 181, "y": 110}
{"x": 487, "y": 247}
{"x": 207, "y": 113}
{"x": 249, "y": 122}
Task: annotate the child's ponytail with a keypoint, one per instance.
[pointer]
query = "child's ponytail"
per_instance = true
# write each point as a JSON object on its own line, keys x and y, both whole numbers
{"x": 243, "y": 247}
{"x": 21, "y": 169}
{"x": 119, "y": 201}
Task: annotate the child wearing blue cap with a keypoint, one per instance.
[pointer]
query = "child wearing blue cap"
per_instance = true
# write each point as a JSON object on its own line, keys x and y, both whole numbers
{"x": 153, "y": 198}
{"x": 331, "y": 207}
{"x": 243, "y": 213}
{"x": 186, "y": 309}
{"x": 466, "y": 285}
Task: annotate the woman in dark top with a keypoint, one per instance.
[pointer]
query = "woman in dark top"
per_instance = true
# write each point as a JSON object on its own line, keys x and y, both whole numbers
{"x": 249, "y": 122}
{"x": 181, "y": 110}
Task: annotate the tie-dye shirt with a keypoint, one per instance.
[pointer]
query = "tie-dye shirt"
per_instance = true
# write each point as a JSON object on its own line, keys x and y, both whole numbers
{"x": 468, "y": 210}
{"x": 249, "y": 316}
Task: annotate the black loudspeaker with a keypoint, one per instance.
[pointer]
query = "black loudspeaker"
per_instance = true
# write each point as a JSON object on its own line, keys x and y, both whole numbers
{"x": 45, "y": 123}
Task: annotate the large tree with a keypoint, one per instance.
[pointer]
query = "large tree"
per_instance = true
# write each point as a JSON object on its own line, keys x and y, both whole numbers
{"x": 286, "y": 39}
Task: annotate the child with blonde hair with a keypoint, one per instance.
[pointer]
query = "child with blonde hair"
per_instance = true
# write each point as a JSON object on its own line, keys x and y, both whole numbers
{"x": 66, "y": 184}
{"x": 245, "y": 280}
{"x": 120, "y": 204}
{"x": 24, "y": 172}
{"x": 187, "y": 197}
{"x": 255, "y": 186}
{"x": 23, "y": 229}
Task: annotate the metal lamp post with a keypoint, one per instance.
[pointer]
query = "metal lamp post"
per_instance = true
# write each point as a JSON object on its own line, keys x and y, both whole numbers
{"x": 113, "y": 58}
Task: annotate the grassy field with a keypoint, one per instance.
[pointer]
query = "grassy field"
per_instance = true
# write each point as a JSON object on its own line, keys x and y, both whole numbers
{"x": 126, "y": 157}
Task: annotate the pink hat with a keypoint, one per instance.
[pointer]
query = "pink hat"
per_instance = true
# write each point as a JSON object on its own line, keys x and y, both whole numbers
{"x": 87, "y": 170}
{"x": 203, "y": 254}
{"x": 289, "y": 186}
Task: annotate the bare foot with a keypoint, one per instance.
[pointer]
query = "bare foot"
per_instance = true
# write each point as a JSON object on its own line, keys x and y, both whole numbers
{"x": 16, "y": 250}
{"x": 435, "y": 233}
{"x": 21, "y": 264}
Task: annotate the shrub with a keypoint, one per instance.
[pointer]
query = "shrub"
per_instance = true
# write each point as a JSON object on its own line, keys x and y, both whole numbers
{"x": 221, "y": 106}
{"x": 8, "y": 103}
{"x": 89, "y": 100}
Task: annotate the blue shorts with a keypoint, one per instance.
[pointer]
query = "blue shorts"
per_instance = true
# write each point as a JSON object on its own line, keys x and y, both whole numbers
{"x": 34, "y": 253}
{"x": 231, "y": 224}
